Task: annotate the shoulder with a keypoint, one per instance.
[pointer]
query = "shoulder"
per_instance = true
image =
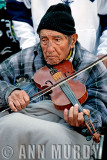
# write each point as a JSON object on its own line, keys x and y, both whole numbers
{"x": 83, "y": 56}
{"x": 90, "y": 73}
{"x": 11, "y": 60}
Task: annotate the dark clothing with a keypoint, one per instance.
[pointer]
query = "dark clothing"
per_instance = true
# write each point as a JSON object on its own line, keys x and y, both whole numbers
{"x": 8, "y": 43}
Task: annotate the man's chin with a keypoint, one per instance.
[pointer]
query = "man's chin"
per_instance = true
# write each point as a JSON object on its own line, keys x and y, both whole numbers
{"x": 53, "y": 62}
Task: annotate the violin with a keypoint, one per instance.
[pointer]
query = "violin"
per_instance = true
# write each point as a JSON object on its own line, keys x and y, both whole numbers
{"x": 60, "y": 95}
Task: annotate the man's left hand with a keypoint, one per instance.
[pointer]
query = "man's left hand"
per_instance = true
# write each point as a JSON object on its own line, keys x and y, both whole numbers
{"x": 74, "y": 117}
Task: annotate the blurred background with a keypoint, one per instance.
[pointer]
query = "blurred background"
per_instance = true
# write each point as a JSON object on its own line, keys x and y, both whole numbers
{"x": 2, "y": 4}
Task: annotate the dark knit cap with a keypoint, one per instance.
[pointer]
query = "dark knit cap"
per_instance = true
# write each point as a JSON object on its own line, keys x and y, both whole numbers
{"x": 58, "y": 18}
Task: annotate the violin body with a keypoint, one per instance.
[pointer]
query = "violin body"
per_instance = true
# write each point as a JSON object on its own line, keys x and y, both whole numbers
{"x": 44, "y": 79}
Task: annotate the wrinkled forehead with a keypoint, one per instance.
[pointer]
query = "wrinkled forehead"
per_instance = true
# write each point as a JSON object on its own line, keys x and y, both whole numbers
{"x": 51, "y": 33}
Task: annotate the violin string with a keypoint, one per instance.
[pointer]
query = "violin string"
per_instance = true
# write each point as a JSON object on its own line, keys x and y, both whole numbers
{"x": 70, "y": 95}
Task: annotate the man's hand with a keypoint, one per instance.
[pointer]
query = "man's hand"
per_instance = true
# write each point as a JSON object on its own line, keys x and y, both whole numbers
{"x": 105, "y": 61}
{"x": 18, "y": 100}
{"x": 75, "y": 118}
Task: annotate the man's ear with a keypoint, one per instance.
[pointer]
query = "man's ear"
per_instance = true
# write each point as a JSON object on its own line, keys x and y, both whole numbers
{"x": 74, "y": 38}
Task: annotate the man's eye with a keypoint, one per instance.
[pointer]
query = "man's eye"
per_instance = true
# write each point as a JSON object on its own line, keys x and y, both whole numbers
{"x": 57, "y": 39}
{"x": 43, "y": 41}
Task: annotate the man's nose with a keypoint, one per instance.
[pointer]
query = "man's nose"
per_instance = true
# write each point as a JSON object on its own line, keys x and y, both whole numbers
{"x": 50, "y": 47}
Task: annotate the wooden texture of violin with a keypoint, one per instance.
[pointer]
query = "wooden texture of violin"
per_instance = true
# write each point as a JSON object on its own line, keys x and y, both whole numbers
{"x": 43, "y": 79}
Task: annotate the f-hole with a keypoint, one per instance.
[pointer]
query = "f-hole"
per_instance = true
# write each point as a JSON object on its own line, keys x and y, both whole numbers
{"x": 66, "y": 74}
{"x": 48, "y": 82}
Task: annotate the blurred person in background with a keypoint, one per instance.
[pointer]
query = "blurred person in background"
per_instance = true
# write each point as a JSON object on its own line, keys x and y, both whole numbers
{"x": 9, "y": 45}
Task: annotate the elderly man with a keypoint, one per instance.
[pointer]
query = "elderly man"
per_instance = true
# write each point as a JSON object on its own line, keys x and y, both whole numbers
{"x": 37, "y": 130}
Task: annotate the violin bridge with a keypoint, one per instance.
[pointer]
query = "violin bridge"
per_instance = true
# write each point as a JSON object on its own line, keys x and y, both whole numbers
{"x": 57, "y": 76}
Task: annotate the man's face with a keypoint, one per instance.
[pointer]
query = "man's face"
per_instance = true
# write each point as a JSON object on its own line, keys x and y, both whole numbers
{"x": 55, "y": 46}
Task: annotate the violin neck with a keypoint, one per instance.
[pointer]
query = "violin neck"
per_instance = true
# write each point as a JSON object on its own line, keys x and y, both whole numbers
{"x": 70, "y": 95}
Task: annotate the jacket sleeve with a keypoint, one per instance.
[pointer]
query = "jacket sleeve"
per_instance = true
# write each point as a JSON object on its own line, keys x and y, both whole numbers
{"x": 102, "y": 48}
{"x": 102, "y": 12}
{"x": 6, "y": 82}
{"x": 97, "y": 95}
{"x": 20, "y": 14}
